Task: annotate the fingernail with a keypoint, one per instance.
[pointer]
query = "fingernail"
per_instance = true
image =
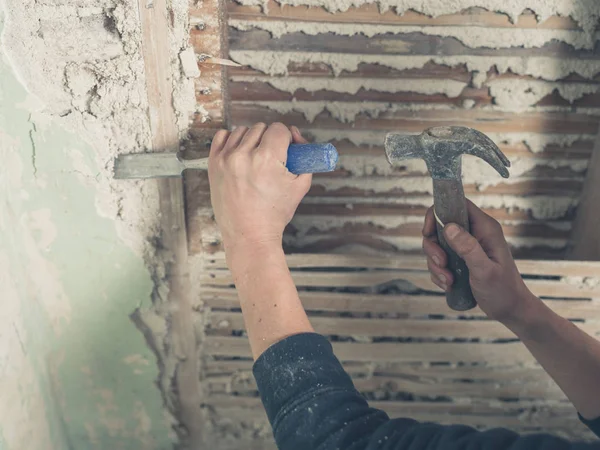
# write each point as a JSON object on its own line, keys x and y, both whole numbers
{"x": 442, "y": 278}
{"x": 452, "y": 230}
{"x": 436, "y": 260}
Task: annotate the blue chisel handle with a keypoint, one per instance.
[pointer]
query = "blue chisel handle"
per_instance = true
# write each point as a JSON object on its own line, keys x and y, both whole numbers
{"x": 311, "y": 158}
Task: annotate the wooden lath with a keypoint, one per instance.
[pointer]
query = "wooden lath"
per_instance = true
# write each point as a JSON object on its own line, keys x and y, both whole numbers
{"x": 407, "y": 344}
{"x": 256, "y": 97}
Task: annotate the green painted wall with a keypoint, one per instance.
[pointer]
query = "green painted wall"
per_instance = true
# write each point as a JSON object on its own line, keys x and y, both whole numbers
{"x": 74, "y": 371}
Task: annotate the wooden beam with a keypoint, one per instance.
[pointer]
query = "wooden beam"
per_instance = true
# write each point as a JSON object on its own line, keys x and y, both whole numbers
{"x": 585, "y": 237}
{"x": 209, "y": 37}
{"x": 165, "y": 138}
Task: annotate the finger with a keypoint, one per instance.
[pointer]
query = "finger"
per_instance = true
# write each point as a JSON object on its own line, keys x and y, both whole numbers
{"x": 234, "y": 140}
{"x": 467, "y": 247}
{"x": 252, "y": 138}
{"x": 487, "y": 230}
{"x": 438, "y": 283}
{"x": 429, "y": 227}
{"x": 435, "y": 252}
{"x": 218, "y": 142}
{"x": 297, "y": 137}
{"x": 276, "y": 141}
{"x": 443, "y": 275}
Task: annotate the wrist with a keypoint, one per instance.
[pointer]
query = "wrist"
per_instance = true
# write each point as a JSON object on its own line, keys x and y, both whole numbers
{"x": 242, "y": 254}
{"x": 526, "y": 319}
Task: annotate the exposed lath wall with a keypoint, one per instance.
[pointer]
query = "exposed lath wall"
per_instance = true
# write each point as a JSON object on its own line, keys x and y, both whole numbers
{"x": 347, "y": 72}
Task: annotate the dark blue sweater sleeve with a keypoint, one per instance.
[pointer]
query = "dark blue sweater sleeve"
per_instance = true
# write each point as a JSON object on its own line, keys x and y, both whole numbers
{"x": 312, "y": 404}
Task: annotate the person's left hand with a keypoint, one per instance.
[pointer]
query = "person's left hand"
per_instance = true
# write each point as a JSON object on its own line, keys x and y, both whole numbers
{"x": 253, "y": 195}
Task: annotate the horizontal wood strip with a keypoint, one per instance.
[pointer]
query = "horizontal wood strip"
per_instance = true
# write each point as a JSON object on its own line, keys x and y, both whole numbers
{"x": 371, "y": 14}
{"x": 421, "y": 280}
{"x": 408, "y": 262}
{"x": 261, "y": 90}
{"x": 432, "y": 373}
{"x": 399, "y": 328}
{"x": 246, "y": 385}
{"x": 565, "y": 424}
{"x": 393, "y": 44}
{"x": 397, "y": 408}
{"x": 406, "y": 121}
{"x": 499, "y": 354}
{"x": 317, "y": 225}
{"x": 530, "y": 186}
{"x": 416, "y": 206}
{"x": 414, "y": 305}
{"x": 430, "y": 70}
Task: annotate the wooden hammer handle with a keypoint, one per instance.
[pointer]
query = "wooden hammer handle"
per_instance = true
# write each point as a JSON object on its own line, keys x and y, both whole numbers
{"x": 450, "y": 206}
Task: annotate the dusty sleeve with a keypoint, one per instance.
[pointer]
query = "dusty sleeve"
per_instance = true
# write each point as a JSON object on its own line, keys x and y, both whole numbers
{"x": 312, "y": 404}
{"x": 593, "y": 425}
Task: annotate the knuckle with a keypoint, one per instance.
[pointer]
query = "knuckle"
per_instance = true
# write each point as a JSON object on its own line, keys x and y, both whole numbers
{"x": 280, "y": 128}
{"x": 235, "y": 160}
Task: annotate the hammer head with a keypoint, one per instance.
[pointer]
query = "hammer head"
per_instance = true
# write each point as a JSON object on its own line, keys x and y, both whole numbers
{"x": 442, "y": 147}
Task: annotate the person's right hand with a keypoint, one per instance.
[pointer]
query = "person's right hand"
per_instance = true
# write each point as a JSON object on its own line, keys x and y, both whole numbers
{"x": 495, "y": 281}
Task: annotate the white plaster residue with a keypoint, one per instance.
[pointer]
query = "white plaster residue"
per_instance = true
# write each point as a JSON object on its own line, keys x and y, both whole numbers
{"x": 351, "y": 85}
{"x": 517, "y": 94}
{"x": 585, "y": 12}
{"x": 83, "y": 62}
{"x": 189, "y": 63}
{"x": 345, "y": 112}
{"x": 546, "y": 68}
{"x": 348, "y": 111}
{"x": 583, "y": 282}
{"x": 471, "y": 36}
{"x": 536, "y": 142}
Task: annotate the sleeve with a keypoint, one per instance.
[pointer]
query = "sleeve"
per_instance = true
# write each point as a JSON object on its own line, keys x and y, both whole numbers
{"x": 593, "y": 425}
{"x": 312, "y": 404}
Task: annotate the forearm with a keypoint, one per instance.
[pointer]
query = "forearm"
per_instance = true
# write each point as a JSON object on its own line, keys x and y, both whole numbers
{"x": 569, "y": 355}
{"x": 269, "y": 300}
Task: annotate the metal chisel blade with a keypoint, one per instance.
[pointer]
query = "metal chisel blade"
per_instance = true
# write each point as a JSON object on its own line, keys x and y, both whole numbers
{"x": 149, "y": 165}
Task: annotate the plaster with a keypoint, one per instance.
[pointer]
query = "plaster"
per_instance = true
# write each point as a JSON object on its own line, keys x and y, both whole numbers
{"x": 470, "y": 36}
{"x": 76, "y": 373}
{"x": 584, "y": 12}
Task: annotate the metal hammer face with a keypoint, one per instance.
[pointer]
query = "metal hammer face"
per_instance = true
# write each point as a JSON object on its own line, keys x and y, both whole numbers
{"x": 442, "y": 148}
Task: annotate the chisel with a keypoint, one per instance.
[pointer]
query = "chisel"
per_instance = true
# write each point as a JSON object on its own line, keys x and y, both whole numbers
{"x": 301, "y": 158}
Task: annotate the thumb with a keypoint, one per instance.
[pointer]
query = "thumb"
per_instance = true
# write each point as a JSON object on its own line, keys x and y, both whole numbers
{"x": 467, "y": 247}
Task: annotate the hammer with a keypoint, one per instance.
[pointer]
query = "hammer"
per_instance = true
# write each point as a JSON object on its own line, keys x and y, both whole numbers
{"x": 442, "y": 148}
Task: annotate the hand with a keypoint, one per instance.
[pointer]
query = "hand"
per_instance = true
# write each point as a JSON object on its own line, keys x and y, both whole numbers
{"x": 495, "y": 281}
{"x": 253, "y": 195}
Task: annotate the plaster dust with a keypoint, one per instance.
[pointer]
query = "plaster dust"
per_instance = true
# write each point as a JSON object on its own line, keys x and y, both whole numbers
{"x": 82, "y": 60}
{"x": 585, "y": 12}
{"x": 471, "y": 36}
{"x": 545, "y": 68}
